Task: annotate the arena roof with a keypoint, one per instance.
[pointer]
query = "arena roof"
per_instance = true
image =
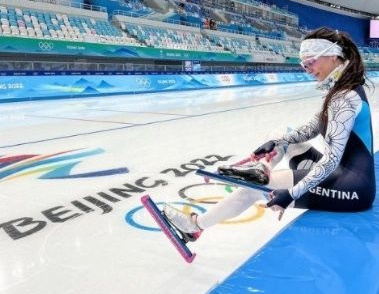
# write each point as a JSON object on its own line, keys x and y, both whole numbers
{"x": 370, "y": 6}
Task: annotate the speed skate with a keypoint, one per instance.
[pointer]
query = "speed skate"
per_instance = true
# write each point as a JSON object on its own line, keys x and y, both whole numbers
{"x": 248, "y": 173}
{"x": 178, "y": 238}
{"x": 234, "y": 182}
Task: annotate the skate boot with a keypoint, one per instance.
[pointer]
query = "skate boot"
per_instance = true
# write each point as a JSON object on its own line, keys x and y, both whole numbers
{"x": 255, "y": 172}
{"x": 184, "y": 223}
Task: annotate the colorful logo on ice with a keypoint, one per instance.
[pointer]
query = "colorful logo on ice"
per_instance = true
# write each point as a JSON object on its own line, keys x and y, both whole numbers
{"x": 52, "y": 166}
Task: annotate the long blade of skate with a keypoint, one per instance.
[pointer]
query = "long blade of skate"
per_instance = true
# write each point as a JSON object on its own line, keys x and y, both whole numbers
{"x": 167, "y": 229}
{"x": 232, "y": 181}
{"x": 241, "y": 162}
{"x": 247, "y": 160}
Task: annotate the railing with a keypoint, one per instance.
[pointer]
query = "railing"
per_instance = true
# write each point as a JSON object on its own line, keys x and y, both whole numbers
{"x": 55, "y": 67}
{"x": 128, "y": 13}
{"x": 137, "y": 15}
{"x": 248, "y": 34}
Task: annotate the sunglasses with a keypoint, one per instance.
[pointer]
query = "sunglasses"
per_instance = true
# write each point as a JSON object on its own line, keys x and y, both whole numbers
{"x": 307, "y": 63}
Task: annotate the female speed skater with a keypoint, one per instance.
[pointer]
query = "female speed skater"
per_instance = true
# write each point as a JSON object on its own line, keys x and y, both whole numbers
{"x": 339, "y": 177}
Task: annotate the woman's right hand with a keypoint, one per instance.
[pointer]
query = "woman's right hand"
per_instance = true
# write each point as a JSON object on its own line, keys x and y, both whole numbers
{"x": 266, "y": 148}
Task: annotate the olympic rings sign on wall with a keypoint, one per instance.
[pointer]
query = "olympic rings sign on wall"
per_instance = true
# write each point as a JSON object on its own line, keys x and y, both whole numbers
{"x": 143, "y": 82}
{"x": 46, "y": 46}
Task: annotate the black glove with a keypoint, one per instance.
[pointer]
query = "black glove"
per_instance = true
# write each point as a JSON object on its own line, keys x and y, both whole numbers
{"x": 282, "y": 198}
{"x": 265, "y": 148}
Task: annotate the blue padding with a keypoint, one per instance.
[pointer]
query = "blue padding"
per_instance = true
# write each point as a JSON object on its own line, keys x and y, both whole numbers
{"x": 321, "y": 252}
{"x": 361, "y": 128}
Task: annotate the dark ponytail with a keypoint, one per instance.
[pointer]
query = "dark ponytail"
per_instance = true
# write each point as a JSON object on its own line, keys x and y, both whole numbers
{"x": 353, "y": 75}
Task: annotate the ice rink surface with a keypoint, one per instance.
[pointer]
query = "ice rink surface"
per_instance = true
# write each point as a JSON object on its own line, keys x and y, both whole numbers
{"x": 73, "y": 171}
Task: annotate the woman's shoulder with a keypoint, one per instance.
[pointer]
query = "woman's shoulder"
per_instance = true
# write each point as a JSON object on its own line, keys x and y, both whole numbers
{"x": 349, "y": 95}
{"x": 349, "y": 99}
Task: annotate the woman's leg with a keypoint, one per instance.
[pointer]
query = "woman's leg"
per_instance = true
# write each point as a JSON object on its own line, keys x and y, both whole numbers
{"x": 232, "y": 206}
{"x": 243, "y": 198}
{"x": 300, "y": 156}
{"x": 240, "y": 200}
{"x": 281, "y": 179}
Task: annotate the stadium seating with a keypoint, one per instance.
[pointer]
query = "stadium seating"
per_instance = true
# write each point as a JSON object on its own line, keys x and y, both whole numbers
{"x": 43, "y": 24}
{"x": 243, "y": 33}
{"x": 25, "y": 22}
{"x": 160, "y": 37}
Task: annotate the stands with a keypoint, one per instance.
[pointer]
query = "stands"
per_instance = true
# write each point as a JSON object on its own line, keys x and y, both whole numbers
{"x": 33, "y": 23}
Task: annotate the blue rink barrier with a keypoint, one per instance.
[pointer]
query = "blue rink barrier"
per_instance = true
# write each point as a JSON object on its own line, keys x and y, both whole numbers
{"x": 30, "y": 87}
{"x": 320, "y": 253}
{"x": 25, "y": 87}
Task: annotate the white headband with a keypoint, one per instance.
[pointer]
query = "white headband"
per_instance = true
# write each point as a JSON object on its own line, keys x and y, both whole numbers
{"x": 313, "y": 47}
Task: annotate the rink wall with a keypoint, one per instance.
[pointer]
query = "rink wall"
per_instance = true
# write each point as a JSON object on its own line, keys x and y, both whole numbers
{"x": 37, "y": 87}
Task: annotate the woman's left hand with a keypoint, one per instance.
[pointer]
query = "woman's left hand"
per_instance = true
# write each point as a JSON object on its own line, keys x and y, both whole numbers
{"x": 279, "y": 201}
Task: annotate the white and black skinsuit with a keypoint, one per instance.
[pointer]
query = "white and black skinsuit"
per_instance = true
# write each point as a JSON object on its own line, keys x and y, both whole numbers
{"x": 342, "y": 177}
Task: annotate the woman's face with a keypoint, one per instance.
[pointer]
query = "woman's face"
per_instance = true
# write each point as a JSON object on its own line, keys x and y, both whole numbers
{"x": 320, "y": 67}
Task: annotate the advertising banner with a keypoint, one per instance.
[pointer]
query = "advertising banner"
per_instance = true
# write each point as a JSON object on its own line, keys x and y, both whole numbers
{"x": 9, "y": 44}
{"x": 19, "y": 88}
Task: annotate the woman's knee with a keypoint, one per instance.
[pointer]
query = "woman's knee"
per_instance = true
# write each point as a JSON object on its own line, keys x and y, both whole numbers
{"x": 302, "y": 156}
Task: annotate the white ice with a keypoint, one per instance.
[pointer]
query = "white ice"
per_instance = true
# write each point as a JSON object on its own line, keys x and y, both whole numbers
{"x": 158, "y": 137}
